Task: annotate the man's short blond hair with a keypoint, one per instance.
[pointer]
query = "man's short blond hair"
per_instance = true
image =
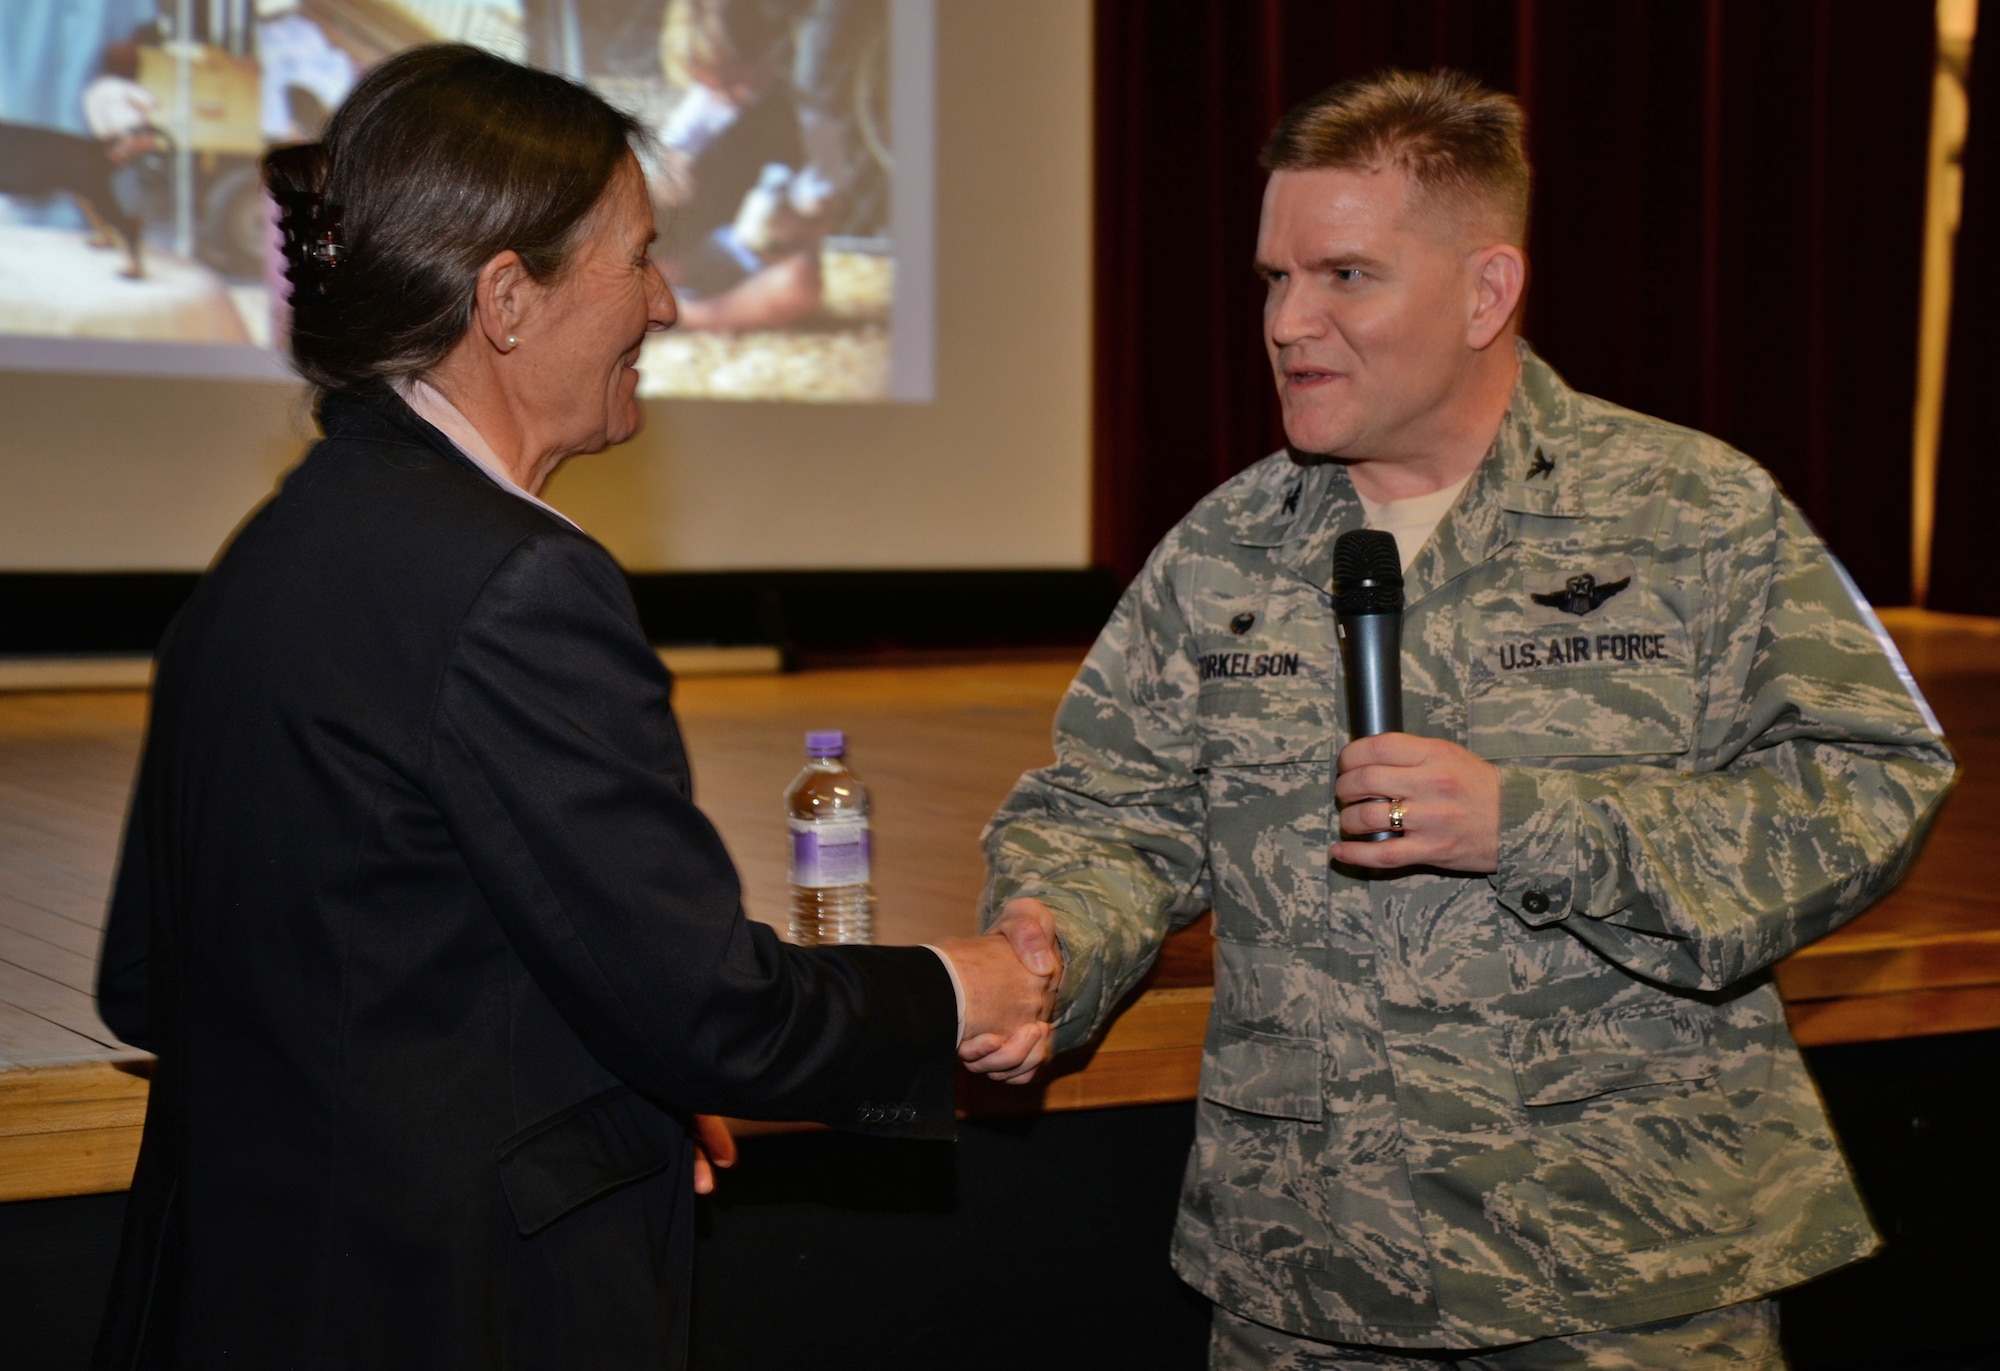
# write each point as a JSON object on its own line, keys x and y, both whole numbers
{"x": 1461, "y": 144}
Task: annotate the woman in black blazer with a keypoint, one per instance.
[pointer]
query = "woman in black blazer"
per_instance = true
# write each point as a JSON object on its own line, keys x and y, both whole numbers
{"x": 436, "y": 953}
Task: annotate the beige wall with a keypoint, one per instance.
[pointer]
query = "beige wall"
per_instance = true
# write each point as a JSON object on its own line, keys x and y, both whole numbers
{"x": 114, "y": 473}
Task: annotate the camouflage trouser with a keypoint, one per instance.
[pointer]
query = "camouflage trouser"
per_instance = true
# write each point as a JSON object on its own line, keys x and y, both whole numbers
{"x": 1743, "y": 1337}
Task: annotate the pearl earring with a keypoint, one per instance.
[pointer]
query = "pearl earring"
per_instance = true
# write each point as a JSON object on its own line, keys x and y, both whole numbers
{"x": 512, "y": 342}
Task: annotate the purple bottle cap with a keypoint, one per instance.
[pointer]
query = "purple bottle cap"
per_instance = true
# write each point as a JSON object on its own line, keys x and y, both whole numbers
{"x": 826, "y": 743}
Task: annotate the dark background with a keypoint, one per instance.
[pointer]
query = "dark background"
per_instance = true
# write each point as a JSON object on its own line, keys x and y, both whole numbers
{"x": 813, "y": 616}
{"x": 1728, "y": 234}
{"x": 1042, "y": 1242}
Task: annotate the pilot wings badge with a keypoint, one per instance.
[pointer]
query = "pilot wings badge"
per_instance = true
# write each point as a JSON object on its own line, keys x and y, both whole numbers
{"x": 1581, "y": 594}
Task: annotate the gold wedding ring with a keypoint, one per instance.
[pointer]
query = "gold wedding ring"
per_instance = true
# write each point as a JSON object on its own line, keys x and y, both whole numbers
{"x": 1395, "y": 816}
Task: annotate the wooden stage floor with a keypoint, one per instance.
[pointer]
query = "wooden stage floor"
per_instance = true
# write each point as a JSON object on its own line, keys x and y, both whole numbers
{"x": 939, "y": 745}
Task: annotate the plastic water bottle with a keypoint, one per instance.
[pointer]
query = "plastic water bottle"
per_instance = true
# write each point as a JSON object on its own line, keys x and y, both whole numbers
{"x": 826, "y": 811}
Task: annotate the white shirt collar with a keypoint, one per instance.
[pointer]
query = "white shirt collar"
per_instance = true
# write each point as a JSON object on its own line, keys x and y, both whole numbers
{"x": 441, "y": 414}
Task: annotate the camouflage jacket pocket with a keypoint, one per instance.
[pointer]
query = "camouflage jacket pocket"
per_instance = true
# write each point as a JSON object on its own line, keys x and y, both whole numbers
{"x": 1260, "y": 1073}
{"x": 1267, "y": 787}
{"x": 1581, "y": 1056}
{"x": 1584, "y": 712}
{"x": 1248, "y": 725}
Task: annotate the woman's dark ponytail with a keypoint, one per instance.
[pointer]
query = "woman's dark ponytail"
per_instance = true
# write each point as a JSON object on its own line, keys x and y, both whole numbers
{"x": 296, "y": 177}
{"x": 311, "y": 237}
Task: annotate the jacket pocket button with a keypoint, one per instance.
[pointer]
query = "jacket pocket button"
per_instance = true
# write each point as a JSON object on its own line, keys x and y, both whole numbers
{"x": 1535, "y": 902}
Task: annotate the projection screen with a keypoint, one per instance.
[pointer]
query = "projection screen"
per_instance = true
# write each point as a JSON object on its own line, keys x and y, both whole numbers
{"x": 790, "y": 166}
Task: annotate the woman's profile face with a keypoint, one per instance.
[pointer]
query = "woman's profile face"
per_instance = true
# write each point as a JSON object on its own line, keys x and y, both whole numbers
{"x": 584, "y": 337}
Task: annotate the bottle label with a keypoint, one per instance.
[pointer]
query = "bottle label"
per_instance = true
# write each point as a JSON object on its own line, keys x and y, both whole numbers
{"x": 829, "y": 854}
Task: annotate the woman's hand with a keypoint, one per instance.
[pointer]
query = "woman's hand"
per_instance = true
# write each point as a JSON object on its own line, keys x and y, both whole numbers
{"x": 714, "y": 1149}
{"x": 1014, "y": 1058}
{"x": 1010, "y": 991}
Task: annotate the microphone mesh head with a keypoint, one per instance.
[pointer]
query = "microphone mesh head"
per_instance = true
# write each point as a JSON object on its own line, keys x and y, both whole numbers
{"x": 1367, "y": 573}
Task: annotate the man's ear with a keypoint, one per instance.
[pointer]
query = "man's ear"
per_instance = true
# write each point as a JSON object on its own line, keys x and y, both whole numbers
{"x": 502, "y": 298}
{"x": 1500, "y": 279}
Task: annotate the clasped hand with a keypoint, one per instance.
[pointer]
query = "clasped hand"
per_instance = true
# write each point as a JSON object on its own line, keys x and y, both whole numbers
{"x": 1010, "y": 976}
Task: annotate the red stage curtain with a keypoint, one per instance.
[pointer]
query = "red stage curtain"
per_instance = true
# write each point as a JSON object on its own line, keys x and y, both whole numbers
{"x": 1727, "y": 232}
{"x": 1968, "y": 495}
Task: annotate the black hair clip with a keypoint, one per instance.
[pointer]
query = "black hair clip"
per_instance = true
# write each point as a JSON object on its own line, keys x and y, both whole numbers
{"x": 314, "y": 240}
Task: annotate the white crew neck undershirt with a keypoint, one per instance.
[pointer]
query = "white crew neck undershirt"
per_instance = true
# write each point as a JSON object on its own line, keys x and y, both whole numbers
{"x": 1414, "y": 520}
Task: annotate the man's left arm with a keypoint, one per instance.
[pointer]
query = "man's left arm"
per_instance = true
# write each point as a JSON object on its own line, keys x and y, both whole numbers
{"x": 1818, "y": 769}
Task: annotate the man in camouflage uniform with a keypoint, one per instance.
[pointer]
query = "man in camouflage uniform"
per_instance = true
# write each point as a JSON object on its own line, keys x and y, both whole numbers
{"x": 1519, "y": 1075}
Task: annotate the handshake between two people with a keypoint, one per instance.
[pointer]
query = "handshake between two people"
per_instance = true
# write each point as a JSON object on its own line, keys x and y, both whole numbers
{"x": 1010, "y": 975}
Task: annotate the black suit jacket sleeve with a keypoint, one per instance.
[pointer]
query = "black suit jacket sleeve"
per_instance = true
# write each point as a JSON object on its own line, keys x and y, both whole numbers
{"x": 125, "y": 962}
{"x": 128, "y": 960}
{"x": 559, "y": 769}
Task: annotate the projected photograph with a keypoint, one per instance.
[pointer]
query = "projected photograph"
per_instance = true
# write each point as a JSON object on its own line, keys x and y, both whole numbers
{"x": 135, "y": 234}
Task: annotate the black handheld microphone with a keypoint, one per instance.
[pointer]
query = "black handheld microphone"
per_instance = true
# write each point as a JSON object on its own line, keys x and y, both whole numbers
{"x": 1368, "y": 605}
